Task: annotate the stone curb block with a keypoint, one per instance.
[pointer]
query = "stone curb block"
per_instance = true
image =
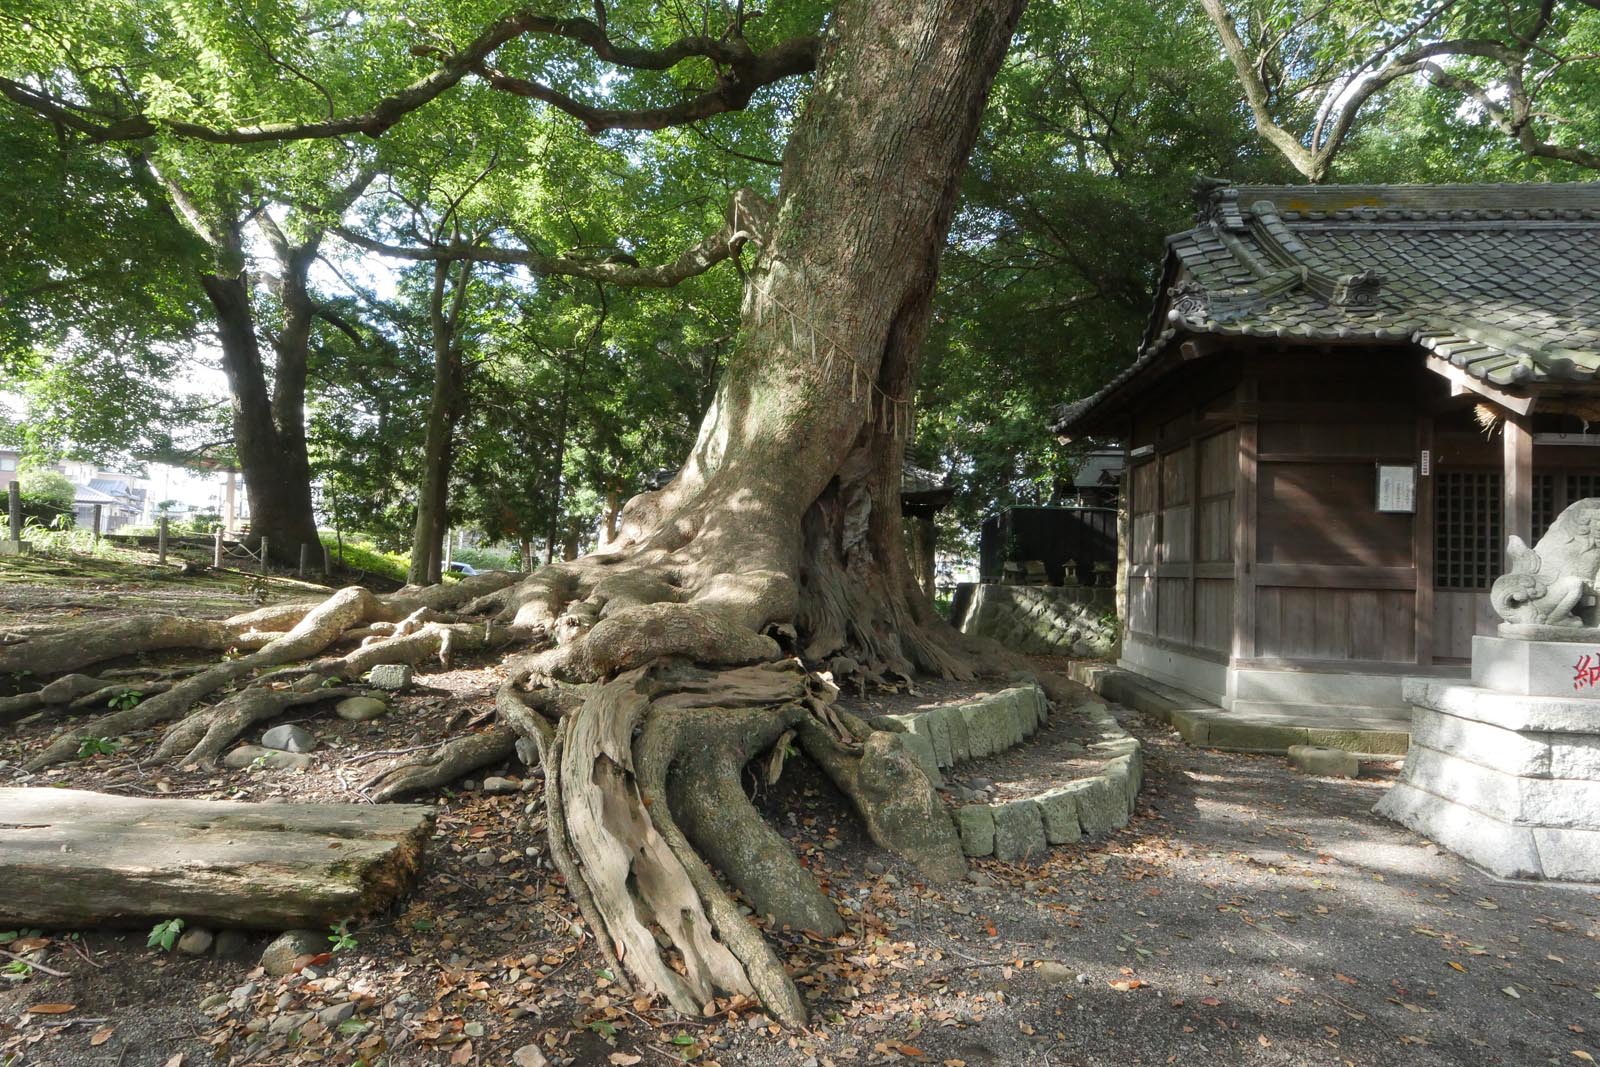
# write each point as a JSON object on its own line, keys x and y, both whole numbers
{"x": 1062, "y": 814}
{"x": 1018, "y": 831}
{"x": 976, "y": 823}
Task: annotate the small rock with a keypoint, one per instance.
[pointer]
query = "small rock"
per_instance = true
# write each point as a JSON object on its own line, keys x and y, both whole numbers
{"x": 980, "y": 784}
{"x": 468, "y": 785}
{"x": 473, "y": 1029}
{"x": 979, "y": 878}
{"x": 500, "y": 785}
{"x": 243, "y": 993}
{"x": 485, "y": 858}
{"x": 289, "y": 738}
{"x": 392, "y": 676}
{"x": 215, "y": 1000}
{"x": 196, "y": 941}
{"x": 247, "y": 755}
{"x": 331, "y": 1017}
{"x": 875, "y": 866}
{"x": 290, "y": 1022}
{"x": 529, "y": 1056}
{"x": 1083, "y": 979}
{"x": 1054, "y": 972}
{"x": 279, "y": 958}
{"x": 360, "y": 709}
{"x": 231, "y": 945}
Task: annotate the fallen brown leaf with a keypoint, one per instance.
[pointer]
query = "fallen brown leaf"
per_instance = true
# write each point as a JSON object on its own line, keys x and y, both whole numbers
{"x": 52, "y": 1009}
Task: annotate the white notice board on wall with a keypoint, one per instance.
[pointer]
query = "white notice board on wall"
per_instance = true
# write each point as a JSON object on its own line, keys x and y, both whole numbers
{"x": 1397, "y": 487}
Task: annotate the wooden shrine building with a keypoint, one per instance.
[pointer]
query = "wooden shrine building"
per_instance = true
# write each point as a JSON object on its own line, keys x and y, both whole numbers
{"x": 1347, "y": 398}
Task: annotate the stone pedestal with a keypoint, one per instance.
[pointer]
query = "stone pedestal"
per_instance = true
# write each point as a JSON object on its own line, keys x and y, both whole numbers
{"x": 15, "y": 548}
{"x": 1561, "y": 668}
{"x": 1508, "y": 780}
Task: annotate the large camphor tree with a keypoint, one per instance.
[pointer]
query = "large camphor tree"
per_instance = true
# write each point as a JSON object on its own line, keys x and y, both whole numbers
{"x": 648, "y": 675}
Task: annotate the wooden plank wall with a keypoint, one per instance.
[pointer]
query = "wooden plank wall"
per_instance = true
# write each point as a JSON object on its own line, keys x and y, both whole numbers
{"x": 1180, "y": 574}
{"x": 1335, "y": 579}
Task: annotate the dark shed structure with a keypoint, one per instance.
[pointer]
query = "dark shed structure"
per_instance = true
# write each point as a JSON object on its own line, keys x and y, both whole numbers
{"x": 1347, "y": 398}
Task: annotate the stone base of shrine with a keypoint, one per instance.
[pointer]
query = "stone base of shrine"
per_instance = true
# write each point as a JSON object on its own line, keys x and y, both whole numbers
{"x": 1508, "y": 781}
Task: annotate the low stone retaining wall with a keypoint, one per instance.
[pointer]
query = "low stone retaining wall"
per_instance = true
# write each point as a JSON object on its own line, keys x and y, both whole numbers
{"x": 1044, "y": 619}
{"x": 991, "y": 723}
{"x": 1019, "y": 829}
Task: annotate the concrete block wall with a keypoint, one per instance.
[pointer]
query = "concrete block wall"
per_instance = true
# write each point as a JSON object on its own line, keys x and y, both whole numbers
{"x": 1044, "y": 619}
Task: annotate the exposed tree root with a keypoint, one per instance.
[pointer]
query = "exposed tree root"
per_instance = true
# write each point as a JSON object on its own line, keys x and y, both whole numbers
{"x": 200, "y": 738}
{"x": 637, "y": 881}
{"x": 315, "y": 629}
{"x": 444, "y": 764}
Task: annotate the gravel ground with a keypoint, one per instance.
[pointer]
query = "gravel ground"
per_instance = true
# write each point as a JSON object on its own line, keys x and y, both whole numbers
{"x": 1249, "y": 915}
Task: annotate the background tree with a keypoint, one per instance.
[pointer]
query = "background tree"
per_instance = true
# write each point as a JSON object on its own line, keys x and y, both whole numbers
{"x": 1312, "y": 73}
{"x": 1098, "y": 123}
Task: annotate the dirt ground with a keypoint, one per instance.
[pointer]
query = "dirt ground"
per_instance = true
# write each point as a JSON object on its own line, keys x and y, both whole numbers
{"x": 1248, "y": 915}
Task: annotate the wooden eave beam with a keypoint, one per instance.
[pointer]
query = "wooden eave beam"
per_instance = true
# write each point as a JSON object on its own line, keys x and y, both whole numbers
{"x": 1462, "y": 382}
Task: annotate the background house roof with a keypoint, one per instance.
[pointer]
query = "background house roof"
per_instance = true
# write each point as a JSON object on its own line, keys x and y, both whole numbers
{"x": 1503, "y": 281}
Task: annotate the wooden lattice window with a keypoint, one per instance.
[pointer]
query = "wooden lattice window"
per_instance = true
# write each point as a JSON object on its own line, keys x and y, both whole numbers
{"x": 1580, "y": 486}
{"x": 1544, "y": 503}
{"x": 1466, "y": 529}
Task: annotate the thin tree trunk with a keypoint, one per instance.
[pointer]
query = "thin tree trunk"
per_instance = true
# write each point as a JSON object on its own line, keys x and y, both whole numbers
{"x": 277, "y": 471}
{"x": 444, "y": 413}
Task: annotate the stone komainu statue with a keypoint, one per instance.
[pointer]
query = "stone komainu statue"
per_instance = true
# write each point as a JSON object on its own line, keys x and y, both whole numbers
{"x": 1553, "y": 583}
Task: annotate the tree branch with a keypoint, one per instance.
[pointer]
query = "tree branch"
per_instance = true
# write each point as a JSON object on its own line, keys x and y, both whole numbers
{"x": 693, "y": 261}
{"x": 373, "y": 122}
{"x": 735, "y": 86}
{"x": 742, "y": 72}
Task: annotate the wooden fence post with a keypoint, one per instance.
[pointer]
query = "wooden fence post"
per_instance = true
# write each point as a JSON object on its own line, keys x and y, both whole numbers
{"x": 305, "y": 561}
{"x": 327, "y": 561}
{"x": 263, "y": 555}
{"x": 14, "y": 491}
{"x": 216, "y": 552}
{"x": 161, "y": 542}
{"x": 97, "y": 510}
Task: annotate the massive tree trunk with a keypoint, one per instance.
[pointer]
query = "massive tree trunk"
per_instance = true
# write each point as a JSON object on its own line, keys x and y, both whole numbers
{"x": 779, "y": 540}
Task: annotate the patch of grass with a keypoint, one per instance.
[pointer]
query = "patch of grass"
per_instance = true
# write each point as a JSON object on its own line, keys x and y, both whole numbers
{"x": 360, "y": 553}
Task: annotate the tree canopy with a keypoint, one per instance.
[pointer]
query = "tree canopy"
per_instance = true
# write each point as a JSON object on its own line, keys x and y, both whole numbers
{"x": 578, "y": 156}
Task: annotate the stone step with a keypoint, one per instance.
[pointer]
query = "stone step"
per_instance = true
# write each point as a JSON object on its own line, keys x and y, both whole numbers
{"x": 991, "y": 723}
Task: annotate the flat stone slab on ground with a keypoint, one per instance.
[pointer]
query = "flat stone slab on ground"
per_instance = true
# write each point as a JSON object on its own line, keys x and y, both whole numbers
{"x": 247, "y": 755}
{"x": 1327, "y": 762}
